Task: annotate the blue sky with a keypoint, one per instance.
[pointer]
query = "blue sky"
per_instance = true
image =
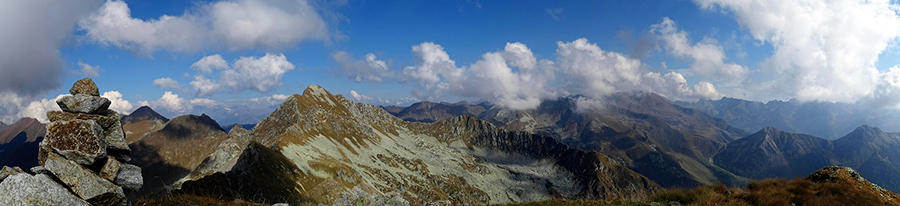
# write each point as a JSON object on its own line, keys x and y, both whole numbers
{"x": 513, "y": 53}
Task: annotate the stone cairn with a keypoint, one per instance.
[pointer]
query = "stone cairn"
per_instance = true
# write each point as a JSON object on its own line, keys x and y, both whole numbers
{"x": 84, "y": 150}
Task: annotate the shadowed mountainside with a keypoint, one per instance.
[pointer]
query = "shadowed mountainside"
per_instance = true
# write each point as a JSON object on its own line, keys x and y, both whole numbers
{"x": 773, "y": 153}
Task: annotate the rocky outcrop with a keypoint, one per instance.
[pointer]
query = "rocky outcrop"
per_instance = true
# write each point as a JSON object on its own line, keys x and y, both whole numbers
{"x": 9, "y": 171}
{"x": 41, "y": 189}
{"x": 83, "y": 149}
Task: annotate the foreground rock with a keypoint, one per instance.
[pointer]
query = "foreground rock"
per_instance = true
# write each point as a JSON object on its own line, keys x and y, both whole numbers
{"x": 78, "y": 140}
{"x": 24, "y": 189}
{"x": 83, "y": 149}
{"x": 84, "y": 182}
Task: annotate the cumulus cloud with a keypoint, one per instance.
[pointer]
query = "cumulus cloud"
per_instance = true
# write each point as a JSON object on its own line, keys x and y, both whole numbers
{"x": 203, "y": 86}
{"x": 378, "y": 100}
{"x": 118, "y": 104}
{"x": 822, "y": 50}
{"x": 370, "y": 69}
{"x": 275, "y": 99}
{"x": 707, "y": 55}
{"x": 38, "y": 109}
{"x": 261, "y": 74}
{"x": 166, "y": 83}
{"x": 514, "y": 78}
{"x": 88, "y": 70}
{"x": 170, "y": 102}
{"x": 208, "y": 63}
{"x": 510, "y": 77}
{"x": 29, "y": 44}
{"x": 230, "y": 24}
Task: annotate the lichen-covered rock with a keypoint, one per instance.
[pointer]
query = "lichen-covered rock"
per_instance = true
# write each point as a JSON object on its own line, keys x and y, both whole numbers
{"x": 81, "y": 103}
{"x": 84, "y": 182}
{"x": 43, "y": 152}
{"x": 105, "y": 120}
{"x": 8, "y": 171}
{"x": 41, "y": 189}
{"x": 85, "y": 86}
{"x": 129, "y": 177}
{"x": 78, "y": 140}
{"x": 110, "y": 169}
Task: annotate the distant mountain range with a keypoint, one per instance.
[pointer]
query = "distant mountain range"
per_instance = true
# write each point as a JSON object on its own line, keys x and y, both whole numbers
{"x": 822, "y": 119}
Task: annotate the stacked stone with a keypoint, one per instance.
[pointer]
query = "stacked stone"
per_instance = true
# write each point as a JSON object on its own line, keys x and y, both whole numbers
{"x": 85, "y": 148}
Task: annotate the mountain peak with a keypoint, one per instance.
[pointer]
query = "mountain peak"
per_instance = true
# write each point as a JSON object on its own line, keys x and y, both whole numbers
{"x": 316, "y": 90}
{"x": 143, "y": 113}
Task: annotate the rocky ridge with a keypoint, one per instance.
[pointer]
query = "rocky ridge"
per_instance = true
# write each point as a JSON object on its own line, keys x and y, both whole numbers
{"x": 324, "y": 148}
{"x": 83, "y": 153}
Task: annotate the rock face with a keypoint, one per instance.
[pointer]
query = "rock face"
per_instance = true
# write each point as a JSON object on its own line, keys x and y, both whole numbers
{"x": 41, "y": 189}
{"x": 83, "y": 149}
{"x": 78, "y": 140}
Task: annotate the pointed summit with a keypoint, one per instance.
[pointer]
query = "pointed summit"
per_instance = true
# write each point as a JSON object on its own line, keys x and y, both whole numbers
{"x": 143, "y": 113}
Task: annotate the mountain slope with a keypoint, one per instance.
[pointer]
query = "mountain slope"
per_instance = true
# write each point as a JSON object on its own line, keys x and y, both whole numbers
{"x": 645, "y": 132}
{"x": 19, "y": 143}
{"x": 175, "y": 150}
{"x": 337, "y": 146}
{"x": 431, "y": 112}
{"x": 772, "y": 153}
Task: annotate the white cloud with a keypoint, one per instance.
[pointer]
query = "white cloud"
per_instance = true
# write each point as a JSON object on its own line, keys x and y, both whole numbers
{"x": 205, "y": 102}
{"x": 235, "y": 25}
{"x": 38, "y": 109}
{"x": 118, "y": 104}
{"x": 369, "y": 69}
{"x": 514, "y": 78}
{"x": 708, "y": 55}
{"x": 258, "y": 74}
{"x": 492, "y": 78}
{"x": 88, "y": 70}
{"x": 208, "y": 63}
{"x": 822, "y": 50}
{"x": 261, "y": 74}
{"x": 32, "y": 34}
{"x": 171, "y": 103}
{"x": 275, "y": 99}
{"x": 359, "y": 97}
{"x": 203, "y": 86}
{"x": 166, "y": 83}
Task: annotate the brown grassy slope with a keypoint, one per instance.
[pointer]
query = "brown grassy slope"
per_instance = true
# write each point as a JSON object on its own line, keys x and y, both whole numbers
{"x": 831, "y": 185}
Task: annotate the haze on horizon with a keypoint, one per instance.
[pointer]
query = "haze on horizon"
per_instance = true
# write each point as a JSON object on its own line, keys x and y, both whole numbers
{"x": 192, "y": 56}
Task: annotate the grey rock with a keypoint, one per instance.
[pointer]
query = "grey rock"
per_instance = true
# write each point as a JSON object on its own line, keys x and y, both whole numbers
{"x": 85, "y": 86}
{"x": 41, "y": 189}
{"x": 8, "y": 171}
{"x": 78, "y": 140}
{"x": 84, "y": 182}
{"x": 39, "y": 170}
{"x": 280, "y": 204}
{"x": 129, "y": 177}
{"x": 82, "y": 103}
{"x": 115, "y": 138}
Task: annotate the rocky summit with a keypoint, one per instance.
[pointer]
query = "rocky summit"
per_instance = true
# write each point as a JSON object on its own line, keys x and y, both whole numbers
{"x": 81, "y": 157}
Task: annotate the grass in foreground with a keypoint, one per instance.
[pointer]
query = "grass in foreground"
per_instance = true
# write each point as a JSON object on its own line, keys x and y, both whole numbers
{"x": 192, "y": 200}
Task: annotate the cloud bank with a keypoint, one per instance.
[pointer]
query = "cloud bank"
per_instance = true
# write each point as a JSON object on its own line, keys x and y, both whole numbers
{"x": 234, "y": 25}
